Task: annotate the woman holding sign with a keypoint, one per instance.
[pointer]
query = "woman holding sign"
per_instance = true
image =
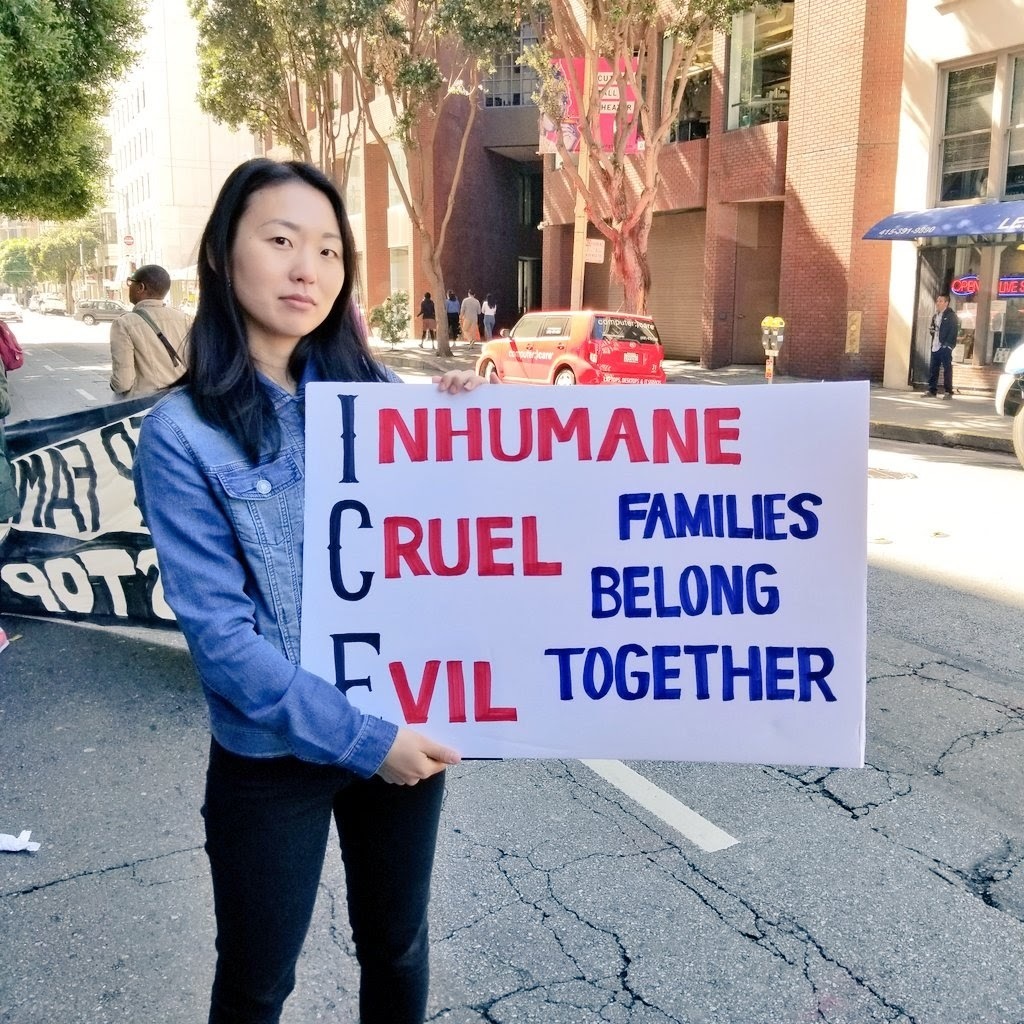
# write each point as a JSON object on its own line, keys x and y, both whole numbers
{"x": 219, "y": 472}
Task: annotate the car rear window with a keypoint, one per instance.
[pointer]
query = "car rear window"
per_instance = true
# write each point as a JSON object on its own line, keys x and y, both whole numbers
{"x": 625, "y": 328}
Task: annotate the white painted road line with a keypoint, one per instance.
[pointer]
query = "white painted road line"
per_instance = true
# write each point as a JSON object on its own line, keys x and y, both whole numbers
{"x": 687, "y": 822}
{"x": 86, "y": 395}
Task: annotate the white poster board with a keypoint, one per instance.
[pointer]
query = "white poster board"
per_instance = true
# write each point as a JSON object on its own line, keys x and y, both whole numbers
{"x": 627, "y": 572}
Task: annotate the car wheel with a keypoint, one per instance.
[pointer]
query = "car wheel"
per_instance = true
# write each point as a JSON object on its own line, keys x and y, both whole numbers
{"x": 486, "y": 369}
{"x": 565, "y": 377}
{"x": 89, "y": 319}
{"x": 1018, "y": 435}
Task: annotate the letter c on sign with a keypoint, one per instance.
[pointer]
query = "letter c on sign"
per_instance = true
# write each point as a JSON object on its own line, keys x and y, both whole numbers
{"x": 334, "y": 550}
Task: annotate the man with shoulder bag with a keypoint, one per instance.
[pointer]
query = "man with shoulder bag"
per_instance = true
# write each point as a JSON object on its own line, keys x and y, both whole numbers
{"x": 149, "y": 345}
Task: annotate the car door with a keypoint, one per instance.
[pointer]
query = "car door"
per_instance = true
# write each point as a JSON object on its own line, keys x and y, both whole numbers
{"x": 549, "y": 345}
{"x": 519, "y": 348}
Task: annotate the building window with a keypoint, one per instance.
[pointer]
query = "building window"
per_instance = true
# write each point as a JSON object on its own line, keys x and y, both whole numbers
{"x": 354, "y": 182}
{"x": 399, "y": 260}
{"x": 981, "y": 152}
{"x": 531, "y": 198}
{"x": 1015, "y": 156}
{"x": 695, "y": 111}
{"x": 394, "y": 192}
{"x": 512, "y": 85}
{"x": 760, "y": 56}
{"x": 967, "y": 134}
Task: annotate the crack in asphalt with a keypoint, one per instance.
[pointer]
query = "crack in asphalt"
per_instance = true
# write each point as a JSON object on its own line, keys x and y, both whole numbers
{"x": 780, "y": 936}
{"x": 109, "y": 869}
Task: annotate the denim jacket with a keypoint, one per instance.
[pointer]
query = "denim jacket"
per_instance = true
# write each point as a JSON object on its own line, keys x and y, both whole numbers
{"x": 228, "y": 537}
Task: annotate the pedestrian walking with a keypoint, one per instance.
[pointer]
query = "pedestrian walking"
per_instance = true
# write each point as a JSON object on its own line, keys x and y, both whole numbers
{"x": 943, "y": 330}
{"x": 490, "y": 311}
{"x": 451, "y": 308}
{"x": 219, "y": 472}
{"x": 469, "y": 315}
{"x": 10, "y": 504}
{"x": 149, "y": 345}
{"x": 429, "y": 317}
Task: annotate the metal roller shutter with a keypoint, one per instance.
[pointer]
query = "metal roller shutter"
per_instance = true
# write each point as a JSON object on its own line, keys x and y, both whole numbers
{"x": 676, "y": 254}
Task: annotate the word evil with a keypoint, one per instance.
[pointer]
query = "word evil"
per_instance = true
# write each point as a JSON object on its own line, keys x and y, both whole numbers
{"x": 632, "y": 672}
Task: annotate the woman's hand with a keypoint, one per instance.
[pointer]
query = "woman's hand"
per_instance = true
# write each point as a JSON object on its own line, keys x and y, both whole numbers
{"x": 461, "y": 380}
{"x": 413, "y": 757}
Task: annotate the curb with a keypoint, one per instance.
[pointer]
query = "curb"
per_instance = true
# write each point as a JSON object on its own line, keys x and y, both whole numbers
{"x": 417, "y": 360}
{"x": 943, "y": 438}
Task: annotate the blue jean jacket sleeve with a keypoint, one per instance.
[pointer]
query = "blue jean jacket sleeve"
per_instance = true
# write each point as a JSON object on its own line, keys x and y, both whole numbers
{"x": 261, "y": 702}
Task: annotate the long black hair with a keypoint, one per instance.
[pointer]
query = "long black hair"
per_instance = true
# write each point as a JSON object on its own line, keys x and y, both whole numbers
{"x": 221, "y": 374}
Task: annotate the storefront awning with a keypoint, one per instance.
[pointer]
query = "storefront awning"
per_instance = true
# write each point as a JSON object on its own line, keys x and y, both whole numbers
{"x": 948, "y": 221}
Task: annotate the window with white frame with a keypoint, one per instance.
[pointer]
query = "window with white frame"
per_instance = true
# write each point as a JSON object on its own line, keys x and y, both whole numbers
{"x": 512, "y": 84}
{"x": 981, "y": 150}
{"x": 394, "y": 192}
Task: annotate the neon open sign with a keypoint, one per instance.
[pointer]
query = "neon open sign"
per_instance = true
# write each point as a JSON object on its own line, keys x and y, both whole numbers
{"x": 966, "y": 287}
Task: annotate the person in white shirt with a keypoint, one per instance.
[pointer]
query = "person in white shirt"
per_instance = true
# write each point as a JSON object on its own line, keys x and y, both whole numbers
{"x": 489, "y": 310}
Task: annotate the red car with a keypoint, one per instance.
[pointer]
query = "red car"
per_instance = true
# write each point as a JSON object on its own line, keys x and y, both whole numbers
{"x": 577, "y": 347}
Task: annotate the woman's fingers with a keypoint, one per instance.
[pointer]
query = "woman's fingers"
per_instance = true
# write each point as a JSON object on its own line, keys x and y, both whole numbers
{"x": 454, "y": 381}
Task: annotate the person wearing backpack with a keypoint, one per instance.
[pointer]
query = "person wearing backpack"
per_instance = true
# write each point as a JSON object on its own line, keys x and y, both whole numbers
{"x": 11, "y": 355}
{"x": 10, "y": 504}
{"x": 149, "y": 345}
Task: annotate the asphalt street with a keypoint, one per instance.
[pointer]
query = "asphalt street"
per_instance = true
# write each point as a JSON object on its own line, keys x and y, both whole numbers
{"x": 891, "y": 893}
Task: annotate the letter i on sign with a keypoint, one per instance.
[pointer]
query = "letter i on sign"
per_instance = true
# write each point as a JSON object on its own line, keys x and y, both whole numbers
{"x": 348, "y": 438}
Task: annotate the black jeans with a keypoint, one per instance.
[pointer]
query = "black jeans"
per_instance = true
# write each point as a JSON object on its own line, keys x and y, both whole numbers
{"x": 267, "y": 823}
{"x": 944, "y": 358}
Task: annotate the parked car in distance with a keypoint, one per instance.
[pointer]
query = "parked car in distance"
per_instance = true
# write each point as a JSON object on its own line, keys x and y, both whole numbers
{"x": 1010, "y": 397}
{"x": 10, "y": 310}
{"x": 92, "y": 311}
{"x": 52, "y": 304}
{"x": 577, "y": 347}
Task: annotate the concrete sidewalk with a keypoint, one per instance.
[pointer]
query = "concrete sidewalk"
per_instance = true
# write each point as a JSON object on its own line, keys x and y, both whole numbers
{"x": 968, "y": 421}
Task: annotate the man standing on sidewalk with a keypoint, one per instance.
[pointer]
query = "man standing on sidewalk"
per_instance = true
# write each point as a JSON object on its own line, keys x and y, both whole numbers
{"x": 148, "y": 345}
{"x": 944, "y": 329}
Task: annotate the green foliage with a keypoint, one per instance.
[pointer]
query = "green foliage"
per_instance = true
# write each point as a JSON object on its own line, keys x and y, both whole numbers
{"x": 253, "y": 56}
{"x": 58, "y": 60}
{"x": 55, "y": 255}
{"x": 15, "y": 268}
{"x": 391, "y": 318}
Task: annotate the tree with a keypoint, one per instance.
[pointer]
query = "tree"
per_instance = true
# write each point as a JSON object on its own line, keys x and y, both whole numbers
{"x": 649, "y": 46}
{"x": 391, "y": 318}
{"x": 58, "y": 255}
{"x": 272, "y": 66}
{"x": 424, "y": 54}
{"x": 58, "y": 60}
{"x": 15, "y": 267}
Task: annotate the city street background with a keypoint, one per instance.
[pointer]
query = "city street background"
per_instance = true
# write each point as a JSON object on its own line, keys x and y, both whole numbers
{"x": 892, "y": 893}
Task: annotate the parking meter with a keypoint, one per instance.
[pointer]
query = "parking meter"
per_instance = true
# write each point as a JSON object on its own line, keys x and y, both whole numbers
{"x": 772, "y": 335}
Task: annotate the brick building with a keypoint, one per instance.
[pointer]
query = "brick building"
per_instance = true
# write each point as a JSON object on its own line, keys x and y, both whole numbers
{"x": 809, "y": 124}
{"x": 824, "y": 117}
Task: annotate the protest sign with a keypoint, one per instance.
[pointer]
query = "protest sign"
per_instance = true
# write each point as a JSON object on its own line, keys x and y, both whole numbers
{"x": 623, "y": 572}
{"x": 78, "y": 548}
